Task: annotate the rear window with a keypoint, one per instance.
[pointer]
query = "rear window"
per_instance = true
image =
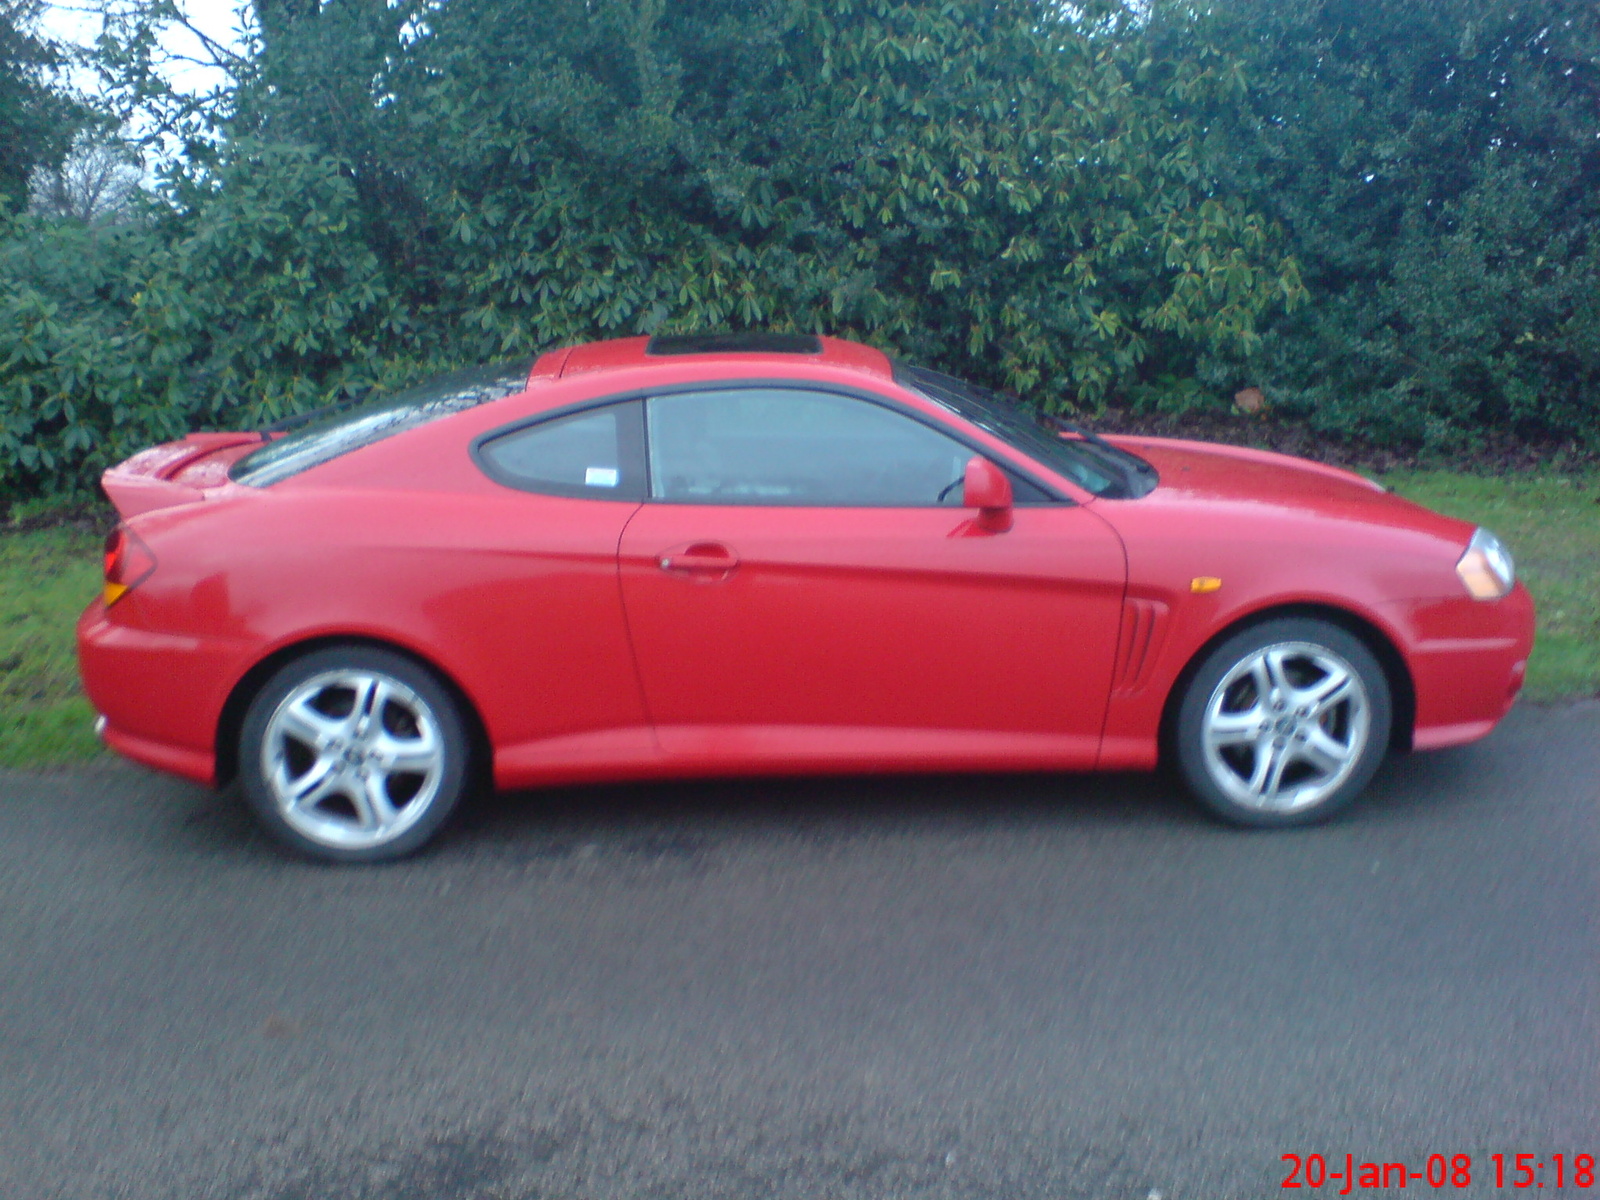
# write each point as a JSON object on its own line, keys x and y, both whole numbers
{"x": 370, "y": 420}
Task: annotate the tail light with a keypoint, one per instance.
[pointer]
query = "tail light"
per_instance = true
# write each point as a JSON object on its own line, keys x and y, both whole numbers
{"x": 128, "y": 563}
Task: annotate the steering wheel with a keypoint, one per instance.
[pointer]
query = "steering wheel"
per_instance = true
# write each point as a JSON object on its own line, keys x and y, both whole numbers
{"x": 950, "y": 487}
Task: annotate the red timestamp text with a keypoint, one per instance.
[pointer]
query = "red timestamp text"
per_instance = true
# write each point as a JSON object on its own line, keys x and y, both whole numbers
{"x": 1514, "y": 1171}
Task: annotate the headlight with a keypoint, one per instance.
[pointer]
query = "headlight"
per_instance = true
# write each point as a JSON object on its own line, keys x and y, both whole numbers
{"x": 1486, "y": 568}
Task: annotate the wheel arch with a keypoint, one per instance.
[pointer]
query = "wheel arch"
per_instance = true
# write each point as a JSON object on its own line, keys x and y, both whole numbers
{"x": 231, "y": 719}
{"x": 1402, "y": 688}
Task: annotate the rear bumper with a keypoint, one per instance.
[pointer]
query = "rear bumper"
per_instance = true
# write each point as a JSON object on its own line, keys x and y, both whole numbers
{"x": 1468, "y": 661}
{"x": 160, "y": 694}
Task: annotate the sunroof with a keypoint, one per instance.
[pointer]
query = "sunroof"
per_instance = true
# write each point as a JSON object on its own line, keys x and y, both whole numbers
{"x": 734, "y": 343}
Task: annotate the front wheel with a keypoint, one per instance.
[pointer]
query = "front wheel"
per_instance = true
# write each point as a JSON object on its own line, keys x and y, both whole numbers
{"x": 353, "y": 754}
{"x": 1283, "y": 724}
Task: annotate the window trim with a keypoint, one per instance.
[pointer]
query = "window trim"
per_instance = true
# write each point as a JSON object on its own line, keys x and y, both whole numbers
{"x": 631, "y": 456}
{"x": 1054, "y": 495}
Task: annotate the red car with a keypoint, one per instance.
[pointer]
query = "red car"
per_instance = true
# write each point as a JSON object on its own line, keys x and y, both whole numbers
{"x": 695, "y": 556}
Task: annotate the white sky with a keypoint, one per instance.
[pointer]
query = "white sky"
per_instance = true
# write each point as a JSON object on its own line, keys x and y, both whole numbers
{"x": 78, "y": 22}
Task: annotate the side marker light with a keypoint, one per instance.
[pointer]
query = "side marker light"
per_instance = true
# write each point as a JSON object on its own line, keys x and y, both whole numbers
{"x": 1201, "y": 584}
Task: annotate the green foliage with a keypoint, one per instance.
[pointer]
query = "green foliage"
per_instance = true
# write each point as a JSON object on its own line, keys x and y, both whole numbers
{"x": 1384, "y": 212}
{"x": 983, "y": 184}
{"x": 979, "y": 183}
{"x": 251, "y": 294}
{"x": 1437, "y": 169}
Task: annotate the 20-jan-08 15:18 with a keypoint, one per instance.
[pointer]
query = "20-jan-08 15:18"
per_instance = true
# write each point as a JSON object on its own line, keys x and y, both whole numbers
{"x": 1516, "y": 1171}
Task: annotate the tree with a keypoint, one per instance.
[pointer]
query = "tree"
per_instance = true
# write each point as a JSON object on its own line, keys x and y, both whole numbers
{"x": 1437, "y": 168}
{"x": 97, "y": 180}
{"x": 980, "y": 183}
{"x": 37, "y": 121}
{"x": 1011, "y": 189}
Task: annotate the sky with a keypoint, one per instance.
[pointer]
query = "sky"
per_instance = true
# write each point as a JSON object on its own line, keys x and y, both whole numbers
{"x": 78, "y": 23}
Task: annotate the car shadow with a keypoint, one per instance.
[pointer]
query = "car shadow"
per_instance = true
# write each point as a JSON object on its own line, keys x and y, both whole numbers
{"x": 682, "y": 819}
{"x": 689, "y": 813}
{"x": 1428, "y": 784}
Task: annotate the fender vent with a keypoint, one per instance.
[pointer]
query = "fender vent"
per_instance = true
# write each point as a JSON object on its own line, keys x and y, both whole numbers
{"x": 1143, "y": 624}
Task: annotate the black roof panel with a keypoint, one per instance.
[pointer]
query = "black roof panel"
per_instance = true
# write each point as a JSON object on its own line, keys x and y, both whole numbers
{"x": 734, "y": 343}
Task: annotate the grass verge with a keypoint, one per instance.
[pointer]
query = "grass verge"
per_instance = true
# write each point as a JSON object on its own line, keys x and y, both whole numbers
{"x": 1551, "y": 523}
{"x": 46, "y": 577}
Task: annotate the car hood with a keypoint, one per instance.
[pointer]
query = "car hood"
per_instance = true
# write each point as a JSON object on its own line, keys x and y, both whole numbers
{"x": 1234, "y": 475}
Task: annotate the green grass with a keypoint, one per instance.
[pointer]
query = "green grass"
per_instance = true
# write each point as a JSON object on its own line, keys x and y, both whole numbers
{"x": 46, "y": 577}
{"x": 1552, "y": 525}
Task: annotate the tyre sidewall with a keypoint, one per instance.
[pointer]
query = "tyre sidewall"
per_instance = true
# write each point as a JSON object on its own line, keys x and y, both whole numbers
{"x": 446, "y": 712}
{"x": 1188, "y": 741}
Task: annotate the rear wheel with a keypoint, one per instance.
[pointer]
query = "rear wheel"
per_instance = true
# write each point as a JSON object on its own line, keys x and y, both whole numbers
{"x": 1284, "y": 723}
{"x": 353, "y": 754}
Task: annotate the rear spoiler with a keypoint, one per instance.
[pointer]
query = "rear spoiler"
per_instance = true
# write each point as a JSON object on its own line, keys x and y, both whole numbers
{"x": 147, "y": 480}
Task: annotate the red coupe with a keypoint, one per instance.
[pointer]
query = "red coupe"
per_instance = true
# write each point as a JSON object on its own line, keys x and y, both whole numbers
{"x": 707, "y": 555}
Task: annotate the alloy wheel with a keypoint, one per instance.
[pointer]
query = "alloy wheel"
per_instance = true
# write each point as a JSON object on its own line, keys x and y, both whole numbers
{"x": 1285, "y": 727}
{"x": 352, "y": 758}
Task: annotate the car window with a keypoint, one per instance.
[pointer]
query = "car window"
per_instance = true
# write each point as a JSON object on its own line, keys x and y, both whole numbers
{"x": 348, "y": 427}
{"x": 797, "y": 447}
{"x": 592, "y": 453}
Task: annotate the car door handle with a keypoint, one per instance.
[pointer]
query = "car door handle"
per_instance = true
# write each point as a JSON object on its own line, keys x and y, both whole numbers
{"x": 699, "y": 559}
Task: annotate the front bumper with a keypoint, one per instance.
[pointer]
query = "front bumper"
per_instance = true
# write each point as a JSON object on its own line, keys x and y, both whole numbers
{"x": 1468, "y": 661}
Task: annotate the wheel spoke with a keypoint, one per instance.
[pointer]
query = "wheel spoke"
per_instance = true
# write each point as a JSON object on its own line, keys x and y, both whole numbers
{"x": 1273, "y": 791}
{"x": 1235, "y": 729}
{"x": 1325, "y": 753}
{"x": 368, "y": 693}
{"x": 406, "y": 756}
{"x": 369, "y": 814}
{"x": 1262, "y": 769}
{"x": 316, "y": 785}
{"x": 373, "y": 806}
{"x": 1262, "y": 678}
{"x": 305, "y": 724}
{"x": 1330, "y": 691}
{"x": 1274, "y": 660}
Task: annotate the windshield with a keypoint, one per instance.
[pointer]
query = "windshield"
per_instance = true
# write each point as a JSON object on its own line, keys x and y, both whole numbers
{"x": 371, "y": 420}
{"x": 1095, "y": 466}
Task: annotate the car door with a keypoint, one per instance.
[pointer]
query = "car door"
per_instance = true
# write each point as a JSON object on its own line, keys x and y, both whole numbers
{"x": 803, "y": 587}
{"x": 532, "y": 598}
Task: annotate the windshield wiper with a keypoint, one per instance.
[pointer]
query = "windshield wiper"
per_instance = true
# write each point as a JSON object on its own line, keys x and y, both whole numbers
{"x": 1134, "y": 470}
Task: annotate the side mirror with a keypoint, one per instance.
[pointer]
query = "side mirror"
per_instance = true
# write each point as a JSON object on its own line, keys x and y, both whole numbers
{"x": 987, "y": 489}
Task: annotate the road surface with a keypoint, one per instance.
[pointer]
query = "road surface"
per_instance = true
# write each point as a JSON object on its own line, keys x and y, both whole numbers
{"x": 949, "y": 987}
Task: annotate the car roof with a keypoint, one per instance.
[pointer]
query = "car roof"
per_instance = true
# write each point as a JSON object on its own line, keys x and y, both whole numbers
{"x": 633, "y": 353}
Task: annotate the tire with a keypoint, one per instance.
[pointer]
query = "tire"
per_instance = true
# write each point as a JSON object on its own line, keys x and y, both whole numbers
{"x": 332, "y": 783}
{"x": 1283, "y": 724}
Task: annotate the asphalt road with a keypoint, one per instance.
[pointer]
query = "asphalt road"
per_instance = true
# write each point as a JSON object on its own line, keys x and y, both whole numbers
{"x": 865, "y": 988}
